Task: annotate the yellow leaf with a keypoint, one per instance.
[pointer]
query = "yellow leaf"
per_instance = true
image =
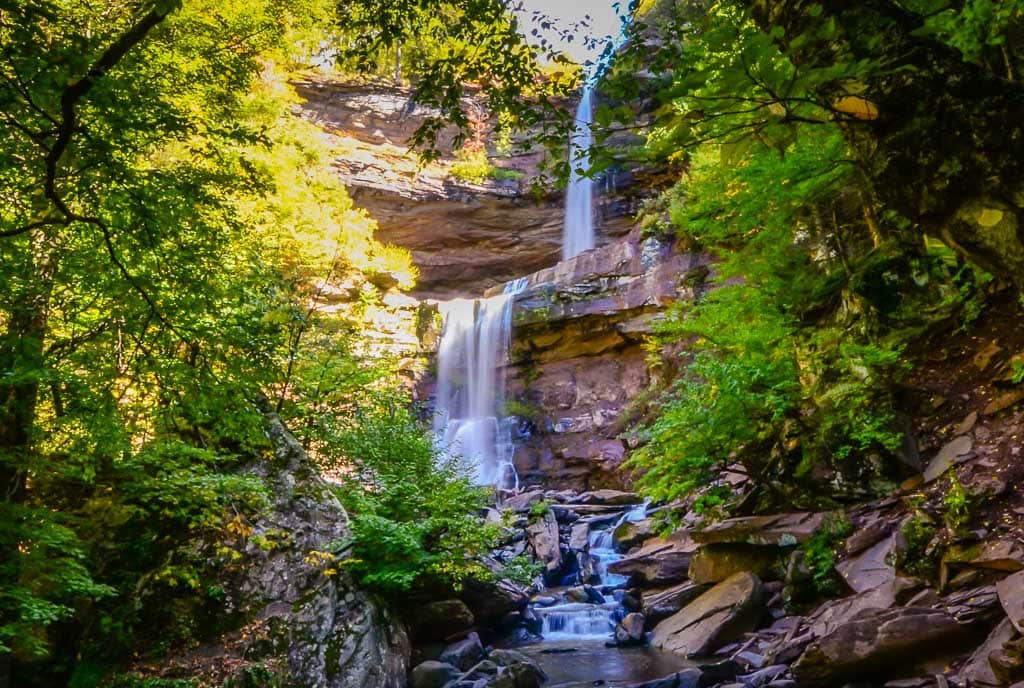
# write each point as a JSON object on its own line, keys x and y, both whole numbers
{"x": 857, "y": 107}
{"x": 990, "y": 217}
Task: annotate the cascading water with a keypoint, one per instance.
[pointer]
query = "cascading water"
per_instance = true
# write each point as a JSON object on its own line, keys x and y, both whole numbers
{"x": 591, "y": 621}
{"x": 578, "y": 233}
{"x": 469, "y": 420}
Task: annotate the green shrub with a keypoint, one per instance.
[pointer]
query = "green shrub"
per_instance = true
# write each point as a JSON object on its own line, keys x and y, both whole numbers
{"x": 415, "y": 515}
{"x": 820, "y": 552}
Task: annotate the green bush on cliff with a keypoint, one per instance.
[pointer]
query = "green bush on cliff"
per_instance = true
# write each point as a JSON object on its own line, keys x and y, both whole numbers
{"x": 415, "y": 516}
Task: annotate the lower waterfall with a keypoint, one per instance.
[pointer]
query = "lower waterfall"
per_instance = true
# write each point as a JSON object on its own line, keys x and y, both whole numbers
{"x": 469, "y": 418}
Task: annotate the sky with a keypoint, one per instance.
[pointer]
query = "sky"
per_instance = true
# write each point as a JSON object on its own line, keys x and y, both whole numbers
{"x": 603, "y": 22}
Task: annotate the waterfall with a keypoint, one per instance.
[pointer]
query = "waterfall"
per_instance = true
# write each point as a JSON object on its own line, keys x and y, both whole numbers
{"x": 469, "y": 419}
{"x": 578, "y": 234}
{"x": 577, "y": 621}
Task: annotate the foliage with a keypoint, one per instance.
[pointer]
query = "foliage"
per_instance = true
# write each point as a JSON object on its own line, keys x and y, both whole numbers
{"x": 957, "y": 505}
{"x": 918, "y": 532}
{"x": 414, "y": 515}
{"x": 521, "y": 569}
{"x": 539, "y": 509}
{"x": 820, "y": 552}
{"x": 472, "y": 165}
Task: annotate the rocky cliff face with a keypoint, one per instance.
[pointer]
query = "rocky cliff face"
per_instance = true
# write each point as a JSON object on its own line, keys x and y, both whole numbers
{"x": 578, "y": 357}
{"x": 464, "y": 237}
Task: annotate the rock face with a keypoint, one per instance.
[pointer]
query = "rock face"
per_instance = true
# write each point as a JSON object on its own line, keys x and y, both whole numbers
{"x": 318, "y": 628}
{"x": 464, "y": 237}
{"x": 578, "y": 357}
{"x": 723, "y": 613}
{"x": 877, "y": 642}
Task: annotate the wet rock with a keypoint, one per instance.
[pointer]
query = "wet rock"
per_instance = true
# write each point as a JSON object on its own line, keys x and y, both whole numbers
{"x": 782, "y": 530}
{"x": 878, "y": 643}
{"x": 687, "y": 678}
{"x": 659, "y": 562}
{"x": 1011, "y": 597}
{"x": 579, "y": 537}
{"x": 836, "y": 613}
{"x": 951, "y": 454}
{"x": 432, "y": 674}
{"x": 715, "y": 563}
{"x": 660, "y": 604}
{"x": 463, "y": 654}
{"x": 630, "y": 630}
{"x": 722, "y": 614}
{"x": 632, "y": 533}
{"x": 543, "y": 537}
{"x": 439, "y": 620}
{"x": 594, "y": 596}
{"x": 516, "y": 670}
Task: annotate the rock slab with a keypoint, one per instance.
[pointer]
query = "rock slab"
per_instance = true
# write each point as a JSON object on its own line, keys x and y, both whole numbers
{"x": 722, "y": 614}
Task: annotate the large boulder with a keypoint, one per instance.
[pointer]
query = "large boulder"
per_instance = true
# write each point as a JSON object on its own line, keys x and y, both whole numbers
{"x": 978, "y": 670}
{"x": 1011, "y": 596}
{"x": 463, "y": 654}
{"x": 724, "y": 613}
{"x": 492, "y": 601}
{"x": 317, "y": 629}
{"x": 543, "y": 537}
{"x": 439, "y": 620}
{"x": 881, "y": 643}
{"x": 609, "y": 497}
{"x": 872, "y": 567}
{"x": 659, "y": 562}
{"x": 632, "y": 533}
{"x": 432, "y": 674}
{"x": 779, "y": 529}
{"x": 715, "y": 563}
{"x": 660, "y": 604}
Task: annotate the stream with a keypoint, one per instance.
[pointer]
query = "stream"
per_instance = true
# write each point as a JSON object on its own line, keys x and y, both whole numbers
{"x": 577, "y": 648}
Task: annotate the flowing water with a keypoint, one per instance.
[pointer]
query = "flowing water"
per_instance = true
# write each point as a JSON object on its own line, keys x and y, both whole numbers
{"x": 578, "y": 233}
{"x": 469, "y": 419}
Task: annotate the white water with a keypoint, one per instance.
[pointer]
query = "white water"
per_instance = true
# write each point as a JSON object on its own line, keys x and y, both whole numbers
{"x": 471, "y": 359}
{"x": 577, "y": 621}
{"x": 584, "y": 621}
{"x": 578, "y": 234}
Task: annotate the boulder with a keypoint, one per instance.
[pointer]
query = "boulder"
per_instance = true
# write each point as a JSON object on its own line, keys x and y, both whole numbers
{"x": 715, "y": 563}
{"x": 1011, "y": 597}
{"x": 782, "y": 530}
{"x": 660, "y": 604}
{"x": 978, "y": 670}
{"x": 543, "y": 537}
{"x": 516, "y": 670}
{"x": 951, "y": 454}
{"x": 836, "y": 613}
{"x": 439, "y": 620}
{"x": 977, "y": 605}
{"x": 659, "y": 562}
{"x": 432, "y": 674}
{"x": 609, "y": 498}
{"x": 720, "y": 615}
{"x": 632, "y": 533}
{"x": 521, "y": 502}
{"x": 630, "y": 630}
{"x": 464, "y": 653}
{"x": 579, "y": 537}
{"x": 872, "y": 567}
{"x": 1008, "y": 662}
{"x": 879, "y": 643}
{"x": 492, "y": 601}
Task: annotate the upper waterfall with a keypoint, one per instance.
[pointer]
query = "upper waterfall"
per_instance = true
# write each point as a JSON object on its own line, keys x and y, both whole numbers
{"x": 578, "y": 234}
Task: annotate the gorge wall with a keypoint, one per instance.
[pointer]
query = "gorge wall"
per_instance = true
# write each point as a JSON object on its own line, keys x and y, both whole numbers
{"x": 578, "y": 357}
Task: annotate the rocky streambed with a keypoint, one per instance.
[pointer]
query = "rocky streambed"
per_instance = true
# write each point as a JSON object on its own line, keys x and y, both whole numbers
{"x": 730, "y": 604}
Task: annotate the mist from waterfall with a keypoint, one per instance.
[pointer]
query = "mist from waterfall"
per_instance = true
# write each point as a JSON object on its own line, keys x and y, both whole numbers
{"x": 469, "y": 418}
{"x": 578, "y": 233}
